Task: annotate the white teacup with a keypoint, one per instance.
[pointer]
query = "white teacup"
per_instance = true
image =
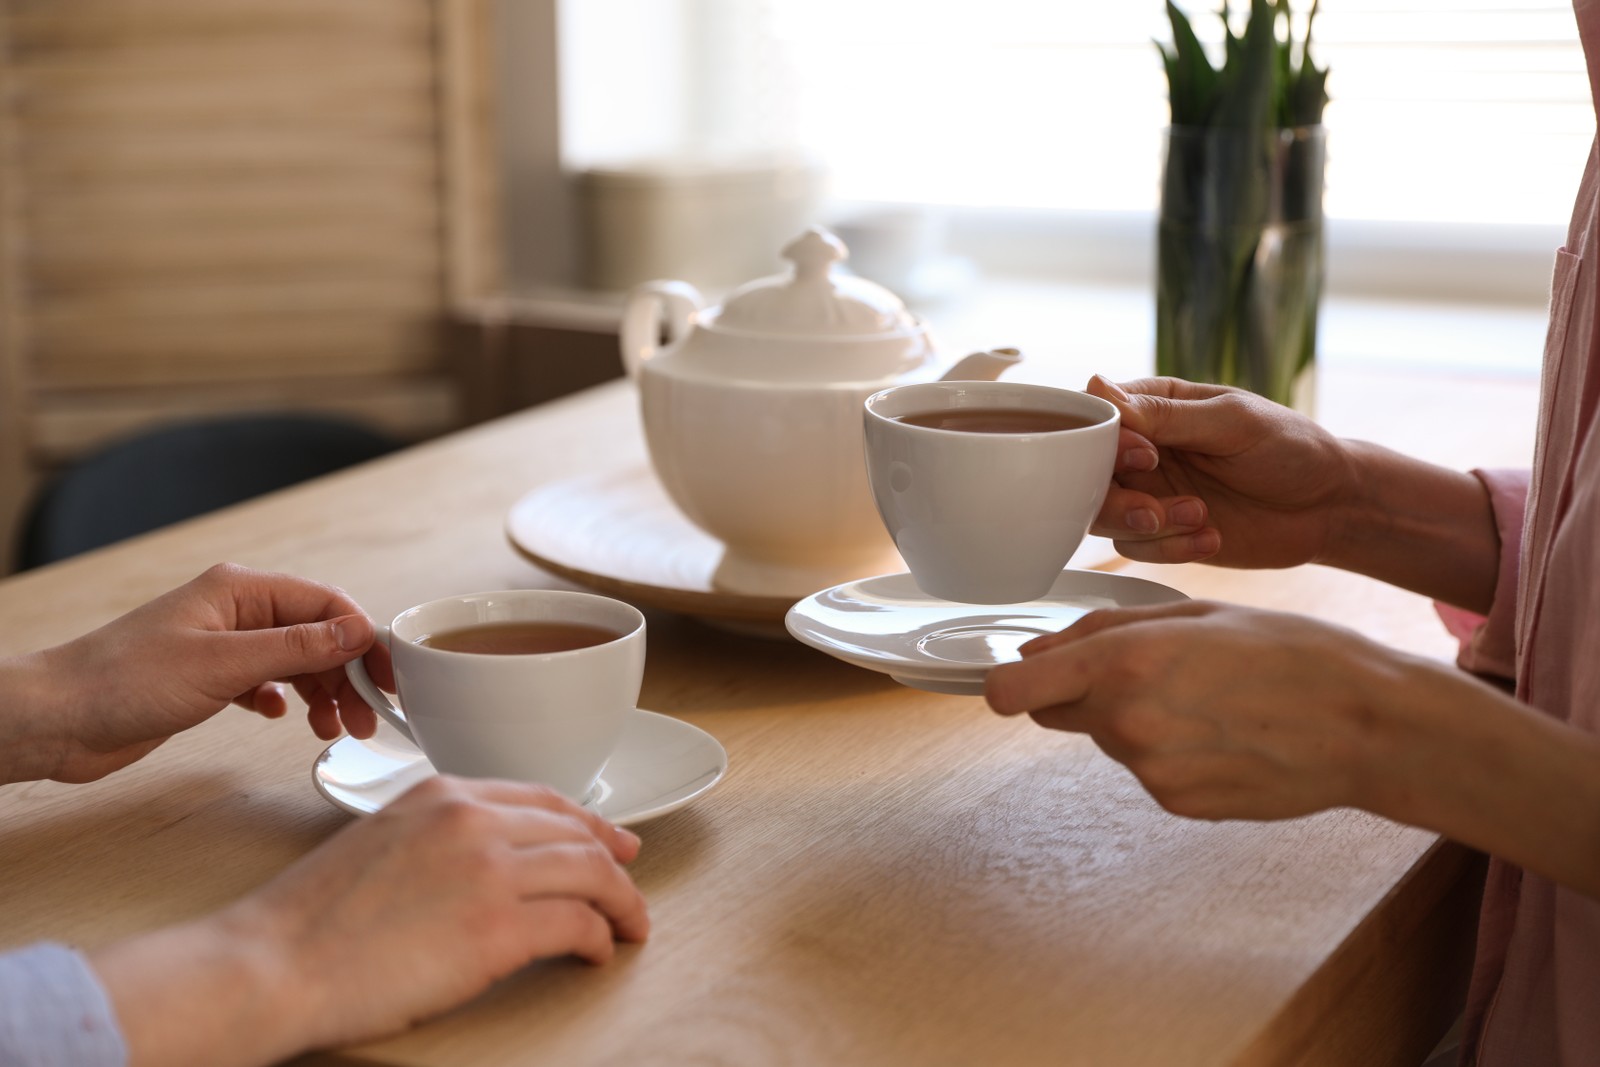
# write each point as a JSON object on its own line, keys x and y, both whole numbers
{"x": 541, "y": 716}
{"x": 987, "y": 517}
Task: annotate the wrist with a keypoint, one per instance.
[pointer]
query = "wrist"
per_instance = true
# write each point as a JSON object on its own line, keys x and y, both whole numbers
{"x": 278, "y": 978}
{"x": 1459, "y": 757}
{"x": 217, "y": 992}
{"x": 1359, "y": 516}
{"x": 1415, "y": 525}
{"x": 35, "y": 731}
{"x": 1414, "y": 750}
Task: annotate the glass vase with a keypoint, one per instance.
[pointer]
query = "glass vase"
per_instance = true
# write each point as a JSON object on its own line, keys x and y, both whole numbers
{"x": 1240, "y": 259}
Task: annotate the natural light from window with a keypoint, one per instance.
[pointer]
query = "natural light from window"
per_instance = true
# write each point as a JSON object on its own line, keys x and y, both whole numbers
{"x": 1453, "y": 111}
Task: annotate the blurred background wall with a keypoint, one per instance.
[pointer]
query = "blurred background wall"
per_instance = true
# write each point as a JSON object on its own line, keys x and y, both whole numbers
{"x": 419, "y": 213}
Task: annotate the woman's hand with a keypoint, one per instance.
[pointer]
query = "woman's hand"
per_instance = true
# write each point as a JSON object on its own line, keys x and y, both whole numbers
{"x": 81, "y": 710}
{"x": 1221, "y": 712}
{"x": 399, "y": 916}
{"x": 1208, "y": 472}
{"x": 1233, "y": 713}
{"x": 1205, "y": 472}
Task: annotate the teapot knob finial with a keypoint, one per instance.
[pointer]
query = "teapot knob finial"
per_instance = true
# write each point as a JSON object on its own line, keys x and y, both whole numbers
{"x": 814, "y": 253}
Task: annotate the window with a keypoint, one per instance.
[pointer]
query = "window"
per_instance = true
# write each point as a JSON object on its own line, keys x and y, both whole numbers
{"x": 1443, "y": 110}
{"x": 1459, "y": 126}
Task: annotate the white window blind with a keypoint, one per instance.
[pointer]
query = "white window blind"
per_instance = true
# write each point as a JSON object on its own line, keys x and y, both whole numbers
{"x": 1445, "y": 111}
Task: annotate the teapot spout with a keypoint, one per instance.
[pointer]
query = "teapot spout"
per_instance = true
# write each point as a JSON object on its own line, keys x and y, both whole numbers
{"x": 983, "y": 366}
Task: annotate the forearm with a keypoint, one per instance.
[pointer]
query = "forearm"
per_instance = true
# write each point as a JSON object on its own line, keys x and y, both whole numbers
{"x": 33, "y": 739}
{"x": 1482, "y": 768}
{"x": 1418, "y": 526}
{"x": 210, "y": 993}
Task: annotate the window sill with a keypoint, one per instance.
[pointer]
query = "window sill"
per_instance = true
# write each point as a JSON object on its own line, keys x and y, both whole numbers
{"x": 1455, "y": 384}
{"x": 1110, "y": 329}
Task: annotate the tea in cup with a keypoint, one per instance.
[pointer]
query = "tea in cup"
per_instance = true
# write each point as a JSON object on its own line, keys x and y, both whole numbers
{"x": 988, "y": 488}
{"x": 531, "y": 684}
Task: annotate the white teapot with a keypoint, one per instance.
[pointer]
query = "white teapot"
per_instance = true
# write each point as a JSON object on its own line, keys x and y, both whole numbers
{"x": 753, "y": 412}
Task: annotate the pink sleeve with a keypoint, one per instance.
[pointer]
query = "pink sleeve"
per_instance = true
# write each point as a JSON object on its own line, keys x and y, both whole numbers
{"x": 1488, "y": 644}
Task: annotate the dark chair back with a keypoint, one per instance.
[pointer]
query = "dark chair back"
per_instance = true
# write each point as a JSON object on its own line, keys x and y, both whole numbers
{"x": 180, "y": 471}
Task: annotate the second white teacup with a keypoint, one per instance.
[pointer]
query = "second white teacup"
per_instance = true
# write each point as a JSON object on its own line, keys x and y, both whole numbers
{"x": 988, "y": 488}
{"x": 528, "y": 684}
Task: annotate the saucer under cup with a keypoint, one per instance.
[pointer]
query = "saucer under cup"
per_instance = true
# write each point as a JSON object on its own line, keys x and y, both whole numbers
{"x": 659, "y": 764}
{"x": 890, "y": 624}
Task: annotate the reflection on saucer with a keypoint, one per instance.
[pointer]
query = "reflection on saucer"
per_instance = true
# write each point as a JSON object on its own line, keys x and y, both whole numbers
{"x": 888, "y": 624}
{"x": 660, "y": 764}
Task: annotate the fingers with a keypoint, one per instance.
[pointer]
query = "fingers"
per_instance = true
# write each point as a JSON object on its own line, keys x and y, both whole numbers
{"x": 1178, "y": 548}
{"x": 557, "y": 926}
{"x": 1171, "y": 388}
{"x": 323, "y": 717}
{"x": 256, "y": 656}
{"x": 1128, "y": 514}
{"x": 507, "y": 798}
{"x": 1062, "y": 669}
{"x": 1109, "y": 618}
{"x": 588, "y": 871}
{"x": 1059, "y": 676}
{"x": 380, "y": 668}
{"x": 1173, "y": 413}
{"x": 265, "y": 700}
{"x": 266, "y": 600}
{"x": 328, "y": 719}
{"x": 334, "y": 690}
{"x": 311, "y": 656}
{"x": 559, "y": 851}
{"x": 1067, "y": 718}
{"x": 333, "y": 700}
{"x": 359, "y": 721}
{"x": 531, "y": 808}
{"x": 1157, "y": 529}
{"x": 1135, "y": 453}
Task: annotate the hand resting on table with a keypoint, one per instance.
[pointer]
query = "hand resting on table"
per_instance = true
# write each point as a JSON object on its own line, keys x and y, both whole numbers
{"x": 396, "y": 917}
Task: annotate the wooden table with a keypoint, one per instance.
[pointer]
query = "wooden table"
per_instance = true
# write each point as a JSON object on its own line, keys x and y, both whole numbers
{"x": 885, "y": 876}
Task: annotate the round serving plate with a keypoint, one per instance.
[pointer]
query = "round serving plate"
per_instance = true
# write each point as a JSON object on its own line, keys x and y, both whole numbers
{"x": 618, "y": 533}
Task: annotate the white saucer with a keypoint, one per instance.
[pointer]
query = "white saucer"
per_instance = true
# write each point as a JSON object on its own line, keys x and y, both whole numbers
{"x": 888, "y": 624}
{"x": 660, "y": 764}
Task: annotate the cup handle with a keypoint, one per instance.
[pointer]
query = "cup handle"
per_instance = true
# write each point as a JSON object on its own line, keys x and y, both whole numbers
{"x": 376, "y": 698}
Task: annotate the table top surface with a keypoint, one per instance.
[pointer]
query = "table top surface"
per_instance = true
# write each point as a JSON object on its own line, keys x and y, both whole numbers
{"x": 886, "y": 875}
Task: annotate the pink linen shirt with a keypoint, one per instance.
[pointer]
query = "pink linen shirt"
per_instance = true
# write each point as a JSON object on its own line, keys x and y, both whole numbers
{"x": 1535, "y": 996}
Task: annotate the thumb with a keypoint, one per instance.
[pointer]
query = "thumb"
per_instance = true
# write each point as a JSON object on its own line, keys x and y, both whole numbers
{"x": 1170, "y": 413}
{"x": 1108, "y": 618}
{"x": 304, "y": 648}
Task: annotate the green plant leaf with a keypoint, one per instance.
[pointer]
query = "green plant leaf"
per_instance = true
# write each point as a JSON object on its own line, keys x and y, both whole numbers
{"x": 1266, "y": 75}
{"x": 1191, "y": 80}
{"x": 1308, "y": 93}
{"x": 1239, "y": 264}
{"x": 1283, "y": 63}
{"x": 1244, "y": 96}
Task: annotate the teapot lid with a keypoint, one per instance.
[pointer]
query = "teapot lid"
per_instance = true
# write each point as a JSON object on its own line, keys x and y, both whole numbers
{"x": 812, "y": 301}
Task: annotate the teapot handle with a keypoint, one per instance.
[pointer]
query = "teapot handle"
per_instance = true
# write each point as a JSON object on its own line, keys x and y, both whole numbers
{"x": 652, "y": 306}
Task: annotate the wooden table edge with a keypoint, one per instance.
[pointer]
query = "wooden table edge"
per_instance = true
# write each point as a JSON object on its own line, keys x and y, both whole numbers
{"x": 1338, "y": 1015}
{"x": 1347, "y": 1011}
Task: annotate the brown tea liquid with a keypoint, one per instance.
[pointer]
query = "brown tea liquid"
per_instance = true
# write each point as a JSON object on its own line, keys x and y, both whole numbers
{"x": 997, "y": 420}
{"x": 519, "y": 638}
